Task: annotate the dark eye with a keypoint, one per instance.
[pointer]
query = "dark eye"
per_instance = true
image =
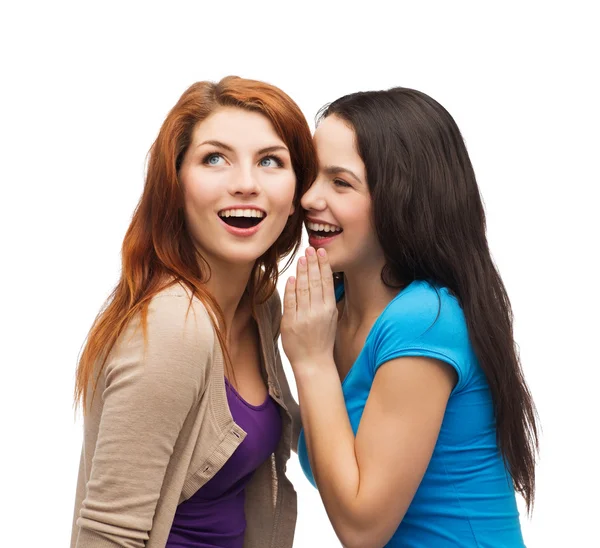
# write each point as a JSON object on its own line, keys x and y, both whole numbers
{"x": 213, "y": 159}
{"x": 341, "y": 183}
{"x": 271, "y": 161}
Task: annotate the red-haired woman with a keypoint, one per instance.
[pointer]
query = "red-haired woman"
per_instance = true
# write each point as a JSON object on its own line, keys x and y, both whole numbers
{"x": 188, "y": 418}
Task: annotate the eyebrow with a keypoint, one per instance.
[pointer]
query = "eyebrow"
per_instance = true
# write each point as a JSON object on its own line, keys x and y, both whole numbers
{"x": 334, "y": 170}
{"x": 230, "y": 149}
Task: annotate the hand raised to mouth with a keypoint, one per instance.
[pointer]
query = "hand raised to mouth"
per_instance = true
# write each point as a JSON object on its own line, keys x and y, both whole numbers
{"x": 310, "y": 314}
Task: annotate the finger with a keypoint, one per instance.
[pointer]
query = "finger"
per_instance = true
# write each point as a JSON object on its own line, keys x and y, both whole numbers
{"x": 302, "y": 289}
{"x": 315, "y": 283}
{"x": 326, "y": 278}
{"x": 289, "y": 298}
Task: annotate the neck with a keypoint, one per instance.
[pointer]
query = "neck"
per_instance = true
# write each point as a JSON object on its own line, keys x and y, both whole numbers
{"x": 227, "y": 285}
{"x": 365, "y": 296}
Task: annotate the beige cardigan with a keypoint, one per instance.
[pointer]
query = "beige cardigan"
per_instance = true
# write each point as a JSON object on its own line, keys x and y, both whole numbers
{"x": 159, "y": 427}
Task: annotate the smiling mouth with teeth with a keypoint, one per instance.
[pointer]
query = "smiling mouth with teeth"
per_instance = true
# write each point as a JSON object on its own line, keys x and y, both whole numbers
{"x": 242, "y": 218}
{"x": 322, "y": 230}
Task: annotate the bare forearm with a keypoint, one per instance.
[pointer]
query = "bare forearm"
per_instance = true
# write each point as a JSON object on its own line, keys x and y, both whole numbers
{"x": 308, "y": 330}
{"x": 330, "y": 442}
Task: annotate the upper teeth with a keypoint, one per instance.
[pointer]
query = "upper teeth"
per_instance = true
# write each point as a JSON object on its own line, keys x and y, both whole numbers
{"x": 241, "y": 213}
{"x": 323, "y": 227}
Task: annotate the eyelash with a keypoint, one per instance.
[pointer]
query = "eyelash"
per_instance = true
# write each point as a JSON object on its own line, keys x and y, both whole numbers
{"x": 277, "y": 159}
{"x": 342, "y": 184}
{"x": 207, "y": 157}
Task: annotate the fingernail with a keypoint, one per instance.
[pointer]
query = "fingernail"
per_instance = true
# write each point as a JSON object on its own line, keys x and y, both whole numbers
{"x": 310, "y": 251}
{"x": 291, "y": 280}
{"x": 302, "y": 261}
{"x": 321, "y": 252}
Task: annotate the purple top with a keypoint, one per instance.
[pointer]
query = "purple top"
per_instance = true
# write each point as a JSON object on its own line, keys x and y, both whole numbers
{"x": 213, "y": 517}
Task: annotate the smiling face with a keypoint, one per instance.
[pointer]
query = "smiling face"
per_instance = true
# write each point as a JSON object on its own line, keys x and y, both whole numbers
{"x": 238, "y": 184}
{"x": 338, "y": 204}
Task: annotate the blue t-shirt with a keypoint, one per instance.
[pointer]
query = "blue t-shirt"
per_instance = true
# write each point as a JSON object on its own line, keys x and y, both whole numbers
{"x": 466, "y": 497}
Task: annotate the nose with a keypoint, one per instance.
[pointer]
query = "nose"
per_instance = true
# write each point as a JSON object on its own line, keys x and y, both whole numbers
{"x": 244, "y": 182}
{"x": 314, "y": 198}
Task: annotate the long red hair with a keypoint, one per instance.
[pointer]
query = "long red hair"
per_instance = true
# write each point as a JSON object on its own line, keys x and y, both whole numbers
{"x": 158, "y": 249}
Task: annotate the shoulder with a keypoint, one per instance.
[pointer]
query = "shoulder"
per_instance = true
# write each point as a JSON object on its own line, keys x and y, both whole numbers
{"x": 175, "y": 333}
{"x": 428, "y": 321}
{"x": 176, "y": 317}
{"x": 423, "y": 308}
{"x": 174, "y": 308}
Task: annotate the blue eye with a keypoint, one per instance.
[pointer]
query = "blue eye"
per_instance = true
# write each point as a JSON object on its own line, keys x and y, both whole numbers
{"x": 213, "y": 159}
{"x": 270, "y": 161}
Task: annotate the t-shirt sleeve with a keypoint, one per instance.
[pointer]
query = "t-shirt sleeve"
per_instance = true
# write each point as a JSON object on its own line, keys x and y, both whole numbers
{"x": 151, "y": 385}
{"x": 427, "y": 323}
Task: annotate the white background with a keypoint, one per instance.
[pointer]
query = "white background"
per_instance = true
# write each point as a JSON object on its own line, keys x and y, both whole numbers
{"x": 84, "y": 90}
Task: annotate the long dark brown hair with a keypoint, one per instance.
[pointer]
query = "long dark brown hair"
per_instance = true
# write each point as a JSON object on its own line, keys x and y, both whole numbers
{"x": 430, "y": 222}
{"x": 158, "y": 248}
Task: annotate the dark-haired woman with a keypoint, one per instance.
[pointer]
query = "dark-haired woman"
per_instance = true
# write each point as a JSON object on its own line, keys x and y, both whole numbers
{"x": 418, "y": 426}
{"x": 189, "y": 420}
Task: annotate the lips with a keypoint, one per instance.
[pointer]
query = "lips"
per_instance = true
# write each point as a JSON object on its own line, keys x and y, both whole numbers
{"x": 321, "y": 241}
{"x": 242, "y": 220}
{"x": 321, "y": 233}
{"x": 240, "y": 230}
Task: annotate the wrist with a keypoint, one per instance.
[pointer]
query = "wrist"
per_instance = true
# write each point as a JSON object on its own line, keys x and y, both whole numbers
{"x": 310, "y": 367}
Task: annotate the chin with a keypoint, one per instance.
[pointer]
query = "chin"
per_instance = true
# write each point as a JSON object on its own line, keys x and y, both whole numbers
{"x": 242, "y": 256}
{"x": 337, "y": 264}
{"x": 240, "y": 259}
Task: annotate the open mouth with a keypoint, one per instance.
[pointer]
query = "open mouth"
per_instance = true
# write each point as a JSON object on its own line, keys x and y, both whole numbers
{"x": 322, "y": 230}
{"x": 242, "y": 218}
